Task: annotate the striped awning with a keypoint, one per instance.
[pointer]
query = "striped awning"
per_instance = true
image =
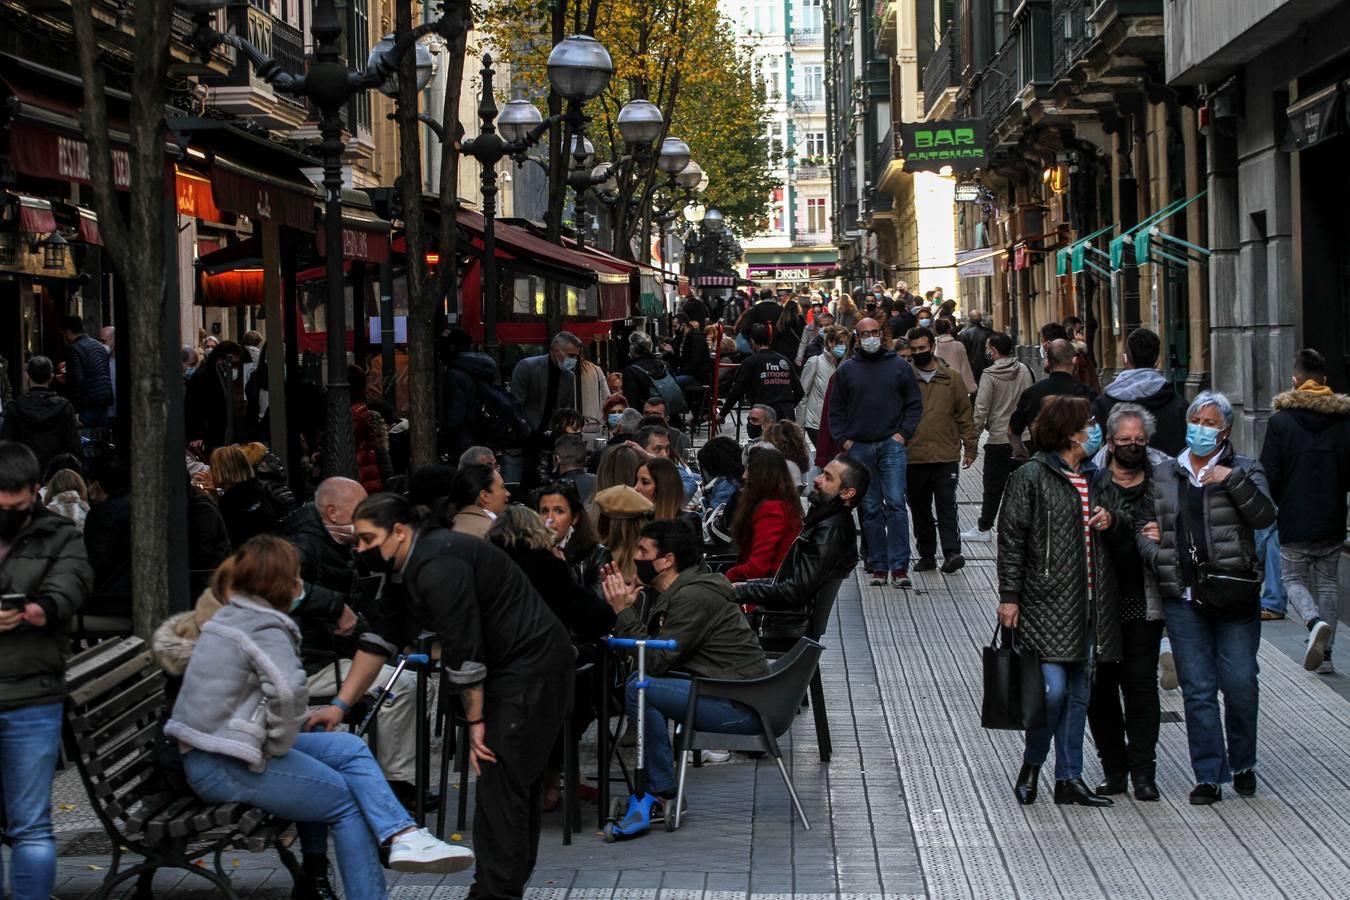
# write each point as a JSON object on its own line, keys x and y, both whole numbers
{"x": 715, "y": 281}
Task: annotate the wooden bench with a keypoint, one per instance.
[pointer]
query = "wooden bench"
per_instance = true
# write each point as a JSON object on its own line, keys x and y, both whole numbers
{"x": 113, "y": 718}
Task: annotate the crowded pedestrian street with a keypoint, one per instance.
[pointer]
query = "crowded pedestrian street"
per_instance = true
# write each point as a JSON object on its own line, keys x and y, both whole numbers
{"x": 916, "y": 800}
{"x": 681, "y": 450}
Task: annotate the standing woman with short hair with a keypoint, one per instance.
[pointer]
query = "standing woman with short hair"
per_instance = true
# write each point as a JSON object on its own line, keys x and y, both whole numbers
{"x": 1207, "y": 505}
{"x": 1057, "y": 586}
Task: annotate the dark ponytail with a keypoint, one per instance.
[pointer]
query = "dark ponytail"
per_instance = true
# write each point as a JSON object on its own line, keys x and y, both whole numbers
{"x": 387, "y": 510}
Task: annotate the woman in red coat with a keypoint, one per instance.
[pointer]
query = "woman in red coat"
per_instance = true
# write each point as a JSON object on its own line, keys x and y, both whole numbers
{"x": 768, "y": 516}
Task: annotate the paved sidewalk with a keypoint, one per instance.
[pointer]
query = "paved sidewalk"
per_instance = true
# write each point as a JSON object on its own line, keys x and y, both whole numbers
{"x": 917, "y": 799}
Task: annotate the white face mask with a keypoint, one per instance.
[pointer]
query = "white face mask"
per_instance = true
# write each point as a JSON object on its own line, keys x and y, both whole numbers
{"x": 871, "y": 344}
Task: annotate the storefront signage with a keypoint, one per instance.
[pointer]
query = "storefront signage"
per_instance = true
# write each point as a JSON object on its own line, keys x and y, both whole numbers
{"x": 365, "y": 246}
{"x": 802, "y": 272}
{"x": 1315, "y": 118}
{"x": 967, "y": 192}
{"x": 47, "y": 154}
{"x": 260, "y": 200}
{"x": 975, "y": 263}
{"x": 932, "y": 146}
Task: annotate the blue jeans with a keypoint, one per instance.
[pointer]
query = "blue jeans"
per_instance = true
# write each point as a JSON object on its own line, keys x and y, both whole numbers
{"x": 1272, "y": 582}
{"x": 30, "y": 738}
{"x": 1067, "y": 686}
{"x": 326, "y": 777}
{"x": 1212, "y": 655}
{"x": 668, "y": 698}
{"x": 885, "y": 520}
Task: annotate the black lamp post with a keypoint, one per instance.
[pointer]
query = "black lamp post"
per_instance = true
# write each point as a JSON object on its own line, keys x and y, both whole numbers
{"x": 329, "y": 85}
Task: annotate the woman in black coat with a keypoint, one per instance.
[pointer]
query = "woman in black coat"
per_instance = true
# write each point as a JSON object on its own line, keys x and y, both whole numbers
{"x": 560, "y": 507}
{"x": 1056, "y": 585}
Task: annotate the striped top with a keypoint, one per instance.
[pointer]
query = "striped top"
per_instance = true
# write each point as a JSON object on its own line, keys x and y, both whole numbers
{"x": 1080, "y": 484}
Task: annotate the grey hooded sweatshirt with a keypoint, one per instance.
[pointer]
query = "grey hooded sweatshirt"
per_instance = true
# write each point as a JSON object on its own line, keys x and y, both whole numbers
{"x": 1001, "y": 385}
{"x": 244, "y": 692}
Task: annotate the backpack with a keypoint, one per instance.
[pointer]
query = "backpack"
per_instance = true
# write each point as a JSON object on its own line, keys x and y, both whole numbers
{"x": 669, "y": 390}
{"x": 499, "y": 417}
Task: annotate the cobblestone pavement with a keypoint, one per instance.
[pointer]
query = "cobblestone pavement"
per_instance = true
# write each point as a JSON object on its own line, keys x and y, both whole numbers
{"x": 917, "y": 799}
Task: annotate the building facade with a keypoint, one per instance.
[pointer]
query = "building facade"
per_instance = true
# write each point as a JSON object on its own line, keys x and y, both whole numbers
{"x": 785, "y": 40}
{"x": 1269, "y": 78}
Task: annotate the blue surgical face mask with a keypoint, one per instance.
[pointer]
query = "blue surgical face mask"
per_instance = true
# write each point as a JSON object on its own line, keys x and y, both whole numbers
{"x": 299, "y": 598}
{"x": 840, "y": 350}
{"x": 1094, "y": 441}
{"x": 1201, "y": 439}
{"x": 613, "y": 420}
{"x": 569, "y": 363}
{"x": 924, "y": 323}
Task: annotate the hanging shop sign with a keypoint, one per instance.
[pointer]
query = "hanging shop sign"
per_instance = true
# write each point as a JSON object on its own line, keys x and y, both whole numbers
{"x": 967, "y": 192}
{"x": 933, "y": 146}
{"x": 975, "y": 263}
{"x": 1314, "y": 119}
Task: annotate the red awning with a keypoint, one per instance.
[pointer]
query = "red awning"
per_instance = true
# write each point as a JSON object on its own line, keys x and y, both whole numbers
{"x": 194, "y": 196}
{"x": 237, "y": 287}
{"x": 89, "y": 226}
{"x": 260, "y": 196}
{"x": 365, "y": 236}
{"x": 35, "y": 215}
{"x": 532, "y": 253}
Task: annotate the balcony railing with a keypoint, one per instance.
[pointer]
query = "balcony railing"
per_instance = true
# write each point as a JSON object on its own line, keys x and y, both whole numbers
{"x": 1025, "y": 61}
{"x": 1069, "y": 31}
{"x": 810, "y": 238}
{"x": 812, "y": 173}
{"x": 808, "y": 37}
{"x": 942, "y": 71}
{"x": 808, "y": 104}
{"x": 275, "y": 39}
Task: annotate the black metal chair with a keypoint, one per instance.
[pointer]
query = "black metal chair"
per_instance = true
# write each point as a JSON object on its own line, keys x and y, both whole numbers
{"x": 816, "y": 620}
{"x": 774, "y": 699}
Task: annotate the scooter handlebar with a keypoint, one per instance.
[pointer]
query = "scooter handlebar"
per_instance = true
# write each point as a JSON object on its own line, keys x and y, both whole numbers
{"x": 650, "y": 644}
{"x": 418, "y": 658}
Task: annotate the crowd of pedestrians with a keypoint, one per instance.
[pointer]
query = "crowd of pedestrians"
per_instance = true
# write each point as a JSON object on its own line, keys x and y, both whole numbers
{"x": 571, "y": 503}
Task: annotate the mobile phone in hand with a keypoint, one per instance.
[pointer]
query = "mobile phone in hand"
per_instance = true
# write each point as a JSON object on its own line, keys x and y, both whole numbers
{"x": 13, "y": 602}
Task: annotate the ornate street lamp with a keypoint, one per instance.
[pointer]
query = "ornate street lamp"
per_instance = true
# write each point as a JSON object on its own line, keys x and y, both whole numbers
{"x": 579, "y": 68}
{"x": 640, "y": 122}
{"x": 490, "y": 148}
{"x": 673, "y": 156}
{"x": 329, "y": 85}
{"x": 54, "y": 251}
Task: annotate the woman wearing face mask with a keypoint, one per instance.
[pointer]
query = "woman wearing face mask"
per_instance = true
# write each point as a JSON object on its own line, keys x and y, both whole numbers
{"x": 479, "y": 495}
{"x": 237, "y": 720}
{"x": 1198, "y": 538}
{"x": 1057, "y": 585}
{"x": 1127, "y": 737}
{"x": 816, "y": 377}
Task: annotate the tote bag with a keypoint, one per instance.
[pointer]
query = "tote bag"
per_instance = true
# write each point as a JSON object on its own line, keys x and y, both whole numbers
{"x": 1014, "y": 691}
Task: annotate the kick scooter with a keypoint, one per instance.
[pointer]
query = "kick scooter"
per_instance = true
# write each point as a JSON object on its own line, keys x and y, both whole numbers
{"x": 637, "y": 819}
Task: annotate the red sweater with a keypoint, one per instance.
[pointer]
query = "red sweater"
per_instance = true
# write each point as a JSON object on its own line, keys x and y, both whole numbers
{"x": 773, "y": 530}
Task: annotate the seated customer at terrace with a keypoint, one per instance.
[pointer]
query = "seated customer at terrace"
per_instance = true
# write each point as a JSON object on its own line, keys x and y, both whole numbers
{"x": 694, "y": 608}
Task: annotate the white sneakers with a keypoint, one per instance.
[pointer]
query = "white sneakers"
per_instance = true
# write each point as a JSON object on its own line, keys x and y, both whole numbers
{"x": 976, "y": 534}
{"x": 1319, "y": 635}
{"x": 418, "y": 851}
{"x": 1168, "y": 665}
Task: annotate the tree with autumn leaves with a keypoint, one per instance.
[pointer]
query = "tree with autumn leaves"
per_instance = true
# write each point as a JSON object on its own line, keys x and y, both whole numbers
{"x": 678, "y": 54}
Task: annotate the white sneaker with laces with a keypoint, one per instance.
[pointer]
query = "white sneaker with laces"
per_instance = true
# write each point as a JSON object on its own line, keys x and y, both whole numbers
{"x": 1319, "y": 635}
{"x": 1326, "y": 668}
{"x": 419, "y": 851}
{"x": 976, "y": 534}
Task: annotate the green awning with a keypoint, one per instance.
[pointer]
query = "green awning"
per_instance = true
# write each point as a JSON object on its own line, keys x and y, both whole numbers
{"x": 778, "y": 258}
{"x": 1151, "y": 244}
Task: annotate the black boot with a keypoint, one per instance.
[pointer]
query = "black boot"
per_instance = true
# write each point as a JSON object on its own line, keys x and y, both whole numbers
{"x": 314, "y": 883}
{"x": 1073, "y": 792}
{"x": 1113, "y": 784}
{"x": 1027, "y": 781}
{"x": 1145, "y": 786}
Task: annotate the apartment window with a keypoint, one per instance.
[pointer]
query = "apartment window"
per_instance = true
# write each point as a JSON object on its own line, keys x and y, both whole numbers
{"x": 776, "y": 211}
{"x": 1002, "y": 21}
{"x": 816, "y": 216}
{"x": 811, "y": 82}
{"x": 773, "y": 77}
{"x": 812, "y": 17}
{"x": 815, "y": 143}
{"x": 359, "y": 45}
{"x": 775, "y": 135}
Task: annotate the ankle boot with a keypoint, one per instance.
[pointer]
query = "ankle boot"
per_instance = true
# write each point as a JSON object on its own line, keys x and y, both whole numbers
{"x": 314, "y": 883}
{"x": 1027, "y": 781}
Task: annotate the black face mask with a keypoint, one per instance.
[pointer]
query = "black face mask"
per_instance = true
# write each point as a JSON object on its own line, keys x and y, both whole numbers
{"x": 754, "y": 430}
{"x": 12, "y": 522}
{"x": 373, "y": 561}
{"x": 923, "y": 359}
{"x": 646, "y": 570}
{"x": 1130, "y": 456}
{"x": 988, "y": 357}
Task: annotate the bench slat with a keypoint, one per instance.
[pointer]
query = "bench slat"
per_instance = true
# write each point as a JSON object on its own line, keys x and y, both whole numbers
{"x": 158, "y": 828}
{"x": 102, "y": 684}
{"x": 99, "y": 658}
{"x": 101, "y": 717}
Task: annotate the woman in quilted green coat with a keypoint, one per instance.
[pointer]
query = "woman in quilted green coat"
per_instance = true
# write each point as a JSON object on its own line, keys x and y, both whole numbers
{"x": 1057, "y": 585}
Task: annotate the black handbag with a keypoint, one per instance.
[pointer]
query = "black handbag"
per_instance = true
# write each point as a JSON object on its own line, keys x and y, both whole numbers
{"x": 1225, "y": 594}
{"x": 1014, "y": 689}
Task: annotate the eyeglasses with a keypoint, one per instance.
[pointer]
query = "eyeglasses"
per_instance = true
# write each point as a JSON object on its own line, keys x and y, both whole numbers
{"x": 875, "y": 332}
{"x": 1142, "y": 442}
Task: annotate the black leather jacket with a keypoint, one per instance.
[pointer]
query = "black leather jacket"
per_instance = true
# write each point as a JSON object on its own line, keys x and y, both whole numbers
{"x": 825, "y": 551}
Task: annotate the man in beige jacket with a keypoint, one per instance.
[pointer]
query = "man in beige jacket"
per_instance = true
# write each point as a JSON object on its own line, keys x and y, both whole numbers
{"x": 951, "y": 351}
{"x": 1002, "y": 383}
{"x": 935, "y": 453}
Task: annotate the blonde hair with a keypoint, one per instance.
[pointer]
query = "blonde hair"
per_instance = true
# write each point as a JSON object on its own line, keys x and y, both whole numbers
{"x": 520, "y": 526}
{"x": 253, "y": 452}
{"x": 229, "y": 466}
{"x": 620, "y": 536}
{"x": 63, "y": 480}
